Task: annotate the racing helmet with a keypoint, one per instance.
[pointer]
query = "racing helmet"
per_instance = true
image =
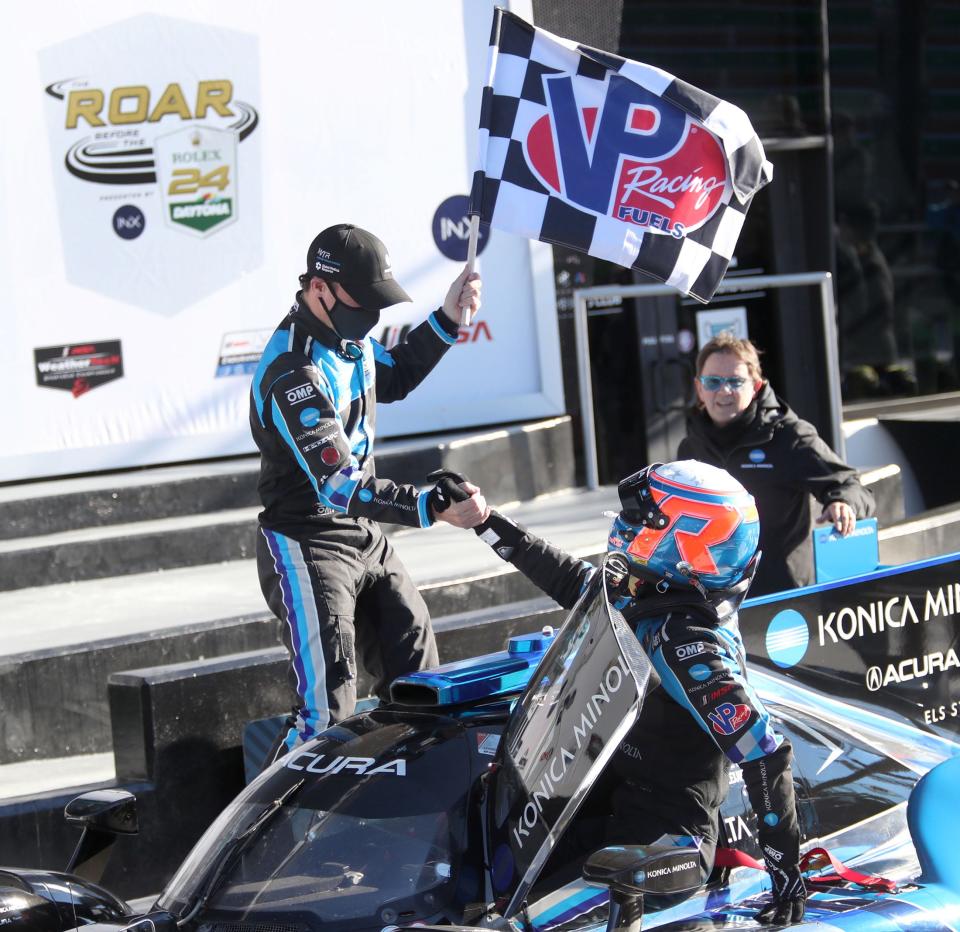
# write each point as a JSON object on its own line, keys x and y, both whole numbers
{"x": 685, "y": 524}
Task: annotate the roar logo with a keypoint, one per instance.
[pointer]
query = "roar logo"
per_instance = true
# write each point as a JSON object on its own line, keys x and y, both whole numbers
{"x": 630, "y": 155}
{"x": 130, "y": 126}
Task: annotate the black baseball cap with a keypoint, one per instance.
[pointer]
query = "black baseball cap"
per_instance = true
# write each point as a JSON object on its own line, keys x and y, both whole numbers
{"x": 358, "y": 261}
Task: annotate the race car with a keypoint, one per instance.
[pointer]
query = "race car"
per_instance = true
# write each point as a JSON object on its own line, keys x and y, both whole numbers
{"x": 445, "y": 806}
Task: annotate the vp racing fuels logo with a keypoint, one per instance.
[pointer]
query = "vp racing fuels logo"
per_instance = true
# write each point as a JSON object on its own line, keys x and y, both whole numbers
{"x": 728, "y": 717}
{"x": 634, "y": 157}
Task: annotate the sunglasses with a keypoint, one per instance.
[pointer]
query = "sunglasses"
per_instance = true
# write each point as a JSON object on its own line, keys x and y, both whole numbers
{"x": 713, "y": 383}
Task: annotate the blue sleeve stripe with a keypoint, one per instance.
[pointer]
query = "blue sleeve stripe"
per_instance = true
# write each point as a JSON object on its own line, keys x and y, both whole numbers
{"x": 284, "y": 432}
{"x": 382, "y": 355}
{"x": 423, "y": 509}
{"x": 438, "y": 329}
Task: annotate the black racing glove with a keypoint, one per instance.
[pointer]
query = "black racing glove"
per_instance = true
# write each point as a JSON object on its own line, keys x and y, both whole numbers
{"x": 769, "y": 784}
{"x": 500, "y": 533}
{"x": 788, "y": 897}
{"x": 447, "y": 489}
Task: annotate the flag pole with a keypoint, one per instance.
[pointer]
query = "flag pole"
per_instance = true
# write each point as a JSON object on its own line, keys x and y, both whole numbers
{"x": 471, "y": 261}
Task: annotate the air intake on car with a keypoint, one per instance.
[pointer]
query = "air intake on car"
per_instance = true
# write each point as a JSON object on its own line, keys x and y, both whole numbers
{"x": 477, "y": 678}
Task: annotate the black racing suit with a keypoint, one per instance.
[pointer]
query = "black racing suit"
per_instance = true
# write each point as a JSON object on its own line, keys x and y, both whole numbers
{"x": 781, "y": 461}
{"x": 671, "y": 769}
{"x": 326, "y": 570}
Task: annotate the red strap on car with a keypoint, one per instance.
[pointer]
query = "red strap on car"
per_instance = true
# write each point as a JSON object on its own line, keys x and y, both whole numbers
{"x": 814, "y": 859}
{"x": 819, "y": 857}
{"x": 731, "y": 857}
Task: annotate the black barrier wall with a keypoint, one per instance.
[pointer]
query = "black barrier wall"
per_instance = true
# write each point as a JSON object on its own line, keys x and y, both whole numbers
{"x": 890, "y": 640}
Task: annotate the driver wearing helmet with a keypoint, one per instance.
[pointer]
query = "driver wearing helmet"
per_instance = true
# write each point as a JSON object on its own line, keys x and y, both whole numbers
{"x": 685, "y": 543}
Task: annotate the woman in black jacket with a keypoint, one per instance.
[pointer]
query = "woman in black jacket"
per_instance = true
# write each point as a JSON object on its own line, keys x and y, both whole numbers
{"x": 740, "y": 425}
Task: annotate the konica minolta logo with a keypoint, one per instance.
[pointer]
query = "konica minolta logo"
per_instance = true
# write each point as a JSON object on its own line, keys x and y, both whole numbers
{"x": 852, "y": 622}
{"x": 788, "y": 637}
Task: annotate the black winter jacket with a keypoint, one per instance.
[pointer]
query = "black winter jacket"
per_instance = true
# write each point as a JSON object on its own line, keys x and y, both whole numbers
{"x": 781, "y": 461}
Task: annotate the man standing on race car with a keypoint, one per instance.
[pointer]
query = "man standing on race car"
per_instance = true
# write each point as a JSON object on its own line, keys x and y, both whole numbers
{"x": 686, "y": 545}
{"x": 326, "y": 569}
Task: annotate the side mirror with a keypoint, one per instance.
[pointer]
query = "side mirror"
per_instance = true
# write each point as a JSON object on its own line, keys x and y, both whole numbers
{"x": 666, "y": 866}
{"x": 113, "y": 811}
{"x": 104, "y": 814}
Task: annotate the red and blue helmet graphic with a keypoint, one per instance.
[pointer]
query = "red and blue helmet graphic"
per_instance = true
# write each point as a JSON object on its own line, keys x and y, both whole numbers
{"x": 712, "y": 532}
{"x": 627, "y": 153}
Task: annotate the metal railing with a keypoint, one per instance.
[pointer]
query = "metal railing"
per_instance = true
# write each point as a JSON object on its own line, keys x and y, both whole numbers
{"x": 822, "y": 280}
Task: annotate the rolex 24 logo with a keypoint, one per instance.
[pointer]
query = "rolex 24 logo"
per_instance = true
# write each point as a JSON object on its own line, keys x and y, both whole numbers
{"x": 197, "y": 175}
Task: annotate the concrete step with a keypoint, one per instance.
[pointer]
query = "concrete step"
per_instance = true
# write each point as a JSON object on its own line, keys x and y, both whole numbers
{"x": 62, "y": 642}
{"x": 513, "y": 463}
{"x": 169, "y": 520}
{"x": 125, "y": 549}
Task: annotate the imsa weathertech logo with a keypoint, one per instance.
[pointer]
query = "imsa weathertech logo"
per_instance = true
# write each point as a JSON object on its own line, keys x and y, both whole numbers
{"x": 78, "y": 367}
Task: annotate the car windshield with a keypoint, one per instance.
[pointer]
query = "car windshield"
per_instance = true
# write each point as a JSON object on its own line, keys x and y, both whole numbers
{"x": 368, "y": 840}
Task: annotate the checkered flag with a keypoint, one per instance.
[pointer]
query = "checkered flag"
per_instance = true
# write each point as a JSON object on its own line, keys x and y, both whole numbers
{"x": 613, "y": 158}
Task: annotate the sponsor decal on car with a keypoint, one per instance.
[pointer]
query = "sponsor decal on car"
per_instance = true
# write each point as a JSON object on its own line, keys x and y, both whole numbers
{"x": 577, "y": 742}
{"x": 361, "y": 766}
{"x": 913, "y": 668}
{"x": 863, "y": 620}
{"x": 487, "y": 743}
{"x": 787, "y": 638}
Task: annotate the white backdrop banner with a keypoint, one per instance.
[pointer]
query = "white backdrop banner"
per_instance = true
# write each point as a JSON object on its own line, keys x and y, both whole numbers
{"x": 161, "y": 177}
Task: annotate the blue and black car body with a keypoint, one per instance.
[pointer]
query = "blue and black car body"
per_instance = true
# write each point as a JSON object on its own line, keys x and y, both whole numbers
{"x": 445, "y": 806}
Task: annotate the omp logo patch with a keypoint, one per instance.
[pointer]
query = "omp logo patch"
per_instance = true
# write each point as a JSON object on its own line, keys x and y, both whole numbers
{"x": 300, "y": 393}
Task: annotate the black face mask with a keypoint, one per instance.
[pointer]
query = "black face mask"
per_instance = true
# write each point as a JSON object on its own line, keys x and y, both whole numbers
{"x": 352, "y": 323}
